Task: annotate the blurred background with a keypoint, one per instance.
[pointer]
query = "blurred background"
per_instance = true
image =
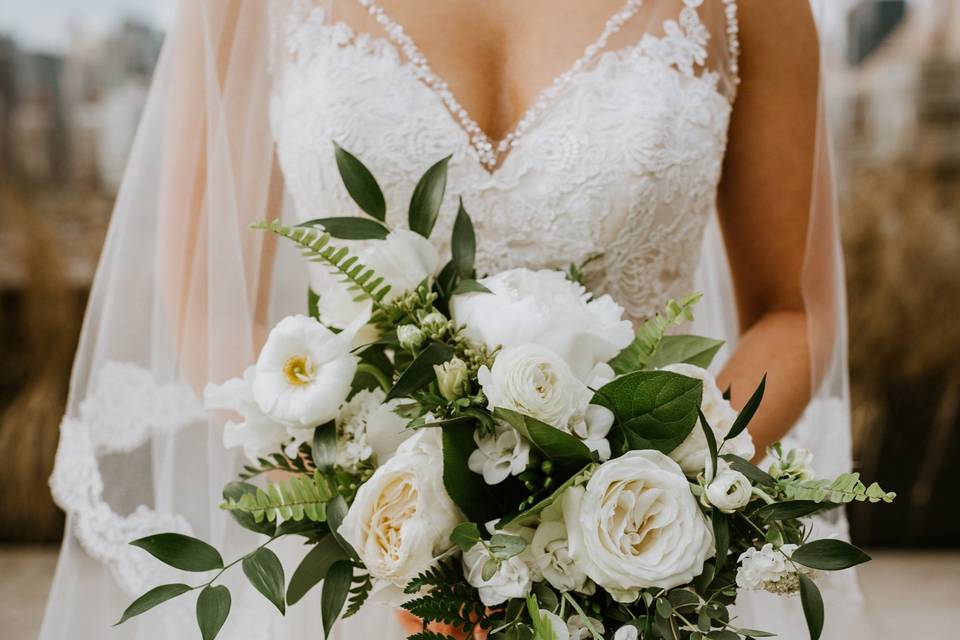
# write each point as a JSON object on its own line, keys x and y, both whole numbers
{"x": 73, "y": 79}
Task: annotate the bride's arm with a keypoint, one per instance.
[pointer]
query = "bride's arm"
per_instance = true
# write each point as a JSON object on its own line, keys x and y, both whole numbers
{"x": 764, "y": 206}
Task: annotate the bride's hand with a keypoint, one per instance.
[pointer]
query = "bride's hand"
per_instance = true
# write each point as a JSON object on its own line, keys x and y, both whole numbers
{"x": 412, "y": 624}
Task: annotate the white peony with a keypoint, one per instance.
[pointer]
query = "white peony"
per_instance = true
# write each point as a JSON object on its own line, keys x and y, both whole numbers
{"x": 690, "y": 455}
{"x": 513, "y": 578}
{"x": 499, "y": 454}
{"x": 636, "y": 525}
{"x": 767, "y": 569}
{"x": 728, "y": 489}
{"x": 401, "y": 518}
{"x": 551, "y": 549}
{"x": 403, "y": 259}
{"x": 545, "y": 308}
{"x": 583, "y": 628}
{"x": 627, "y": 632}
{"x": 258, "y": 434}
{"x": 535, "y": 381}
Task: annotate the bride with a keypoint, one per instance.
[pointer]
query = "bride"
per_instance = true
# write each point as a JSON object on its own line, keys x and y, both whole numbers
{"x": 670, "y": 145}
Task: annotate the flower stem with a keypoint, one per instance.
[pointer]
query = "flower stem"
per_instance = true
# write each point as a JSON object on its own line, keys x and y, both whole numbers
{"x": 374, "y": 372}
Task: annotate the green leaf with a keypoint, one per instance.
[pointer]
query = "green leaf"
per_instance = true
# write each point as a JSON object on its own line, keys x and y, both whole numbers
{"x": 427, "y": 198}
{"x": 790, "y": 509}
{"x": 683, "y": 600}
{"x": 265, "y": 573}
{"x": 336, "y": 512}
{"x": 476, "y": 499}
{"x": 294, "y": 498}
{"x": 465, "y": 535}
{"x": 336, "y": 586}
{"x": 546, "y": 597}
{"x": 711, "y": 441}
{"x": 469, "y": 286}
{"x": 157, "y": 595}
{"x": 235, "y": 491}
{"x": 752, "y": 471}
{"x": 314, "y": 567}
{"x": 213, "y": 607}
{"x": 464, "y": 243}
{"x": 181, "y": 552}
{"x": 530, "y": 515}
{"x": 636, "y": 356}
{"x": 653, "y": 410}
{"x": 556, "y": 445}
{"x": 313, "y": 302}
{"x": 829, "y": 555}
{"x": 324, "y": 449}
{"x": 420, "y": 373}
{"x": 721, "y": 536}
{"x": 812, "y": 603}
{"x": 504, "y": 546}
{"x": 350, "y": 227}
{"x": 746, "y": 414}
{"x": 695, "y": 350}
{"x": 846, "y": 488}
{"x": 489, "y": 569}
{"x": 360, "y": 184}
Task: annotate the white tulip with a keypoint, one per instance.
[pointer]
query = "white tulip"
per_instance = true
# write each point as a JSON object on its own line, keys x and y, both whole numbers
{"x": 400, "y": 521}
{"x": 728, "y": 489}
{"x": 304, "y": 372}
{"x": 636, "y": 525}
{"x": 258, "y": 434}
{"x": 499, "y": 454}
{"x": 720, "y": 416}
{"x": 545, "y": 308}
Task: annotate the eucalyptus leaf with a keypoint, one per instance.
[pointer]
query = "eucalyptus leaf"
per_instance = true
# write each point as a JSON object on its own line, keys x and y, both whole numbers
{"x": 695, "y": 350}
{"x": 360, "y": 184}
{"x": 157, "y": 595}
{"x": 463, "y": 245}
{"x": 746, "y": 414}
{"x": 314, "y": 567}
{"x": 420, "y": 373}
{"x": 324, "y": 449}
{"x": 554, "y": 444}
{"x": 829, "y": 555}
{"x": 653, "y": 410}
{"x": 504, "y": 546}
{"x": 812, "y": 603}
{"x": 181, "y": 552}
{"x": 236, "y": 490}
{"x": 489, "y": 569}
{"x": 265, "y": 573}
{"x": 350, "y": 227}
{"x": 213, "y": 607}
{"x": 465, "y": 535}
{"x": 336, "y": 587}
{"x": 427, "y": 198}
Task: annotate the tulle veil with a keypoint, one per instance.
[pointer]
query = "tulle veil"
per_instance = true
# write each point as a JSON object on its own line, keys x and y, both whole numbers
{"x": 185, "y": 293}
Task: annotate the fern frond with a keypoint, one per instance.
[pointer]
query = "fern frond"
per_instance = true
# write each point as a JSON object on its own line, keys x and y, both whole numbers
{"x": 430, "y": 635}
{"x": 301, "y": 496}
{"x": 636, "y": 356}
{"x": 844, "y": 489}
{"x": 316, "y": 247}
{"x": 279, "y": 462}
{"x": 446, "y": 597}
{"x": 359, "y": 593}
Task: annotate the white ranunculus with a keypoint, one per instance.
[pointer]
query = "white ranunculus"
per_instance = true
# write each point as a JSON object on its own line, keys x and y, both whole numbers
{"x": 545, "y": 308}
{"x": 258, "y": 434}
{"x": 637, "y": 525}
{"x": 720, "y": 416}
{"x": 627, "y": 632}
{"x": 304, "y": 372}
{"x": 767, "y": 569}
{"x": 728, "y": 489}
{"x": 533, "y": 380}
{"x": 499, "y": 454}
{"x": 386, "y": 431}
{"x": 403, "y": 259}
{"x": 512, "y": 579}
{"x": 551, "y": 550}
{"x": 401, "y": 518}
{"x": 579, "y": 627}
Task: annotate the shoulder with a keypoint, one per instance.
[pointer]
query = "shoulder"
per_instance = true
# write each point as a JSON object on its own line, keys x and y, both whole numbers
{"x": 778, "y": 37}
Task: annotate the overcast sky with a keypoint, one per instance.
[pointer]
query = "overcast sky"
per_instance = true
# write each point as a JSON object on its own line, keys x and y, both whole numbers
{"x": 44, "y": 24}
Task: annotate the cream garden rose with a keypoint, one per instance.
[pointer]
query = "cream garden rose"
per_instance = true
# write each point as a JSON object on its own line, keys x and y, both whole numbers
{"x": 545, "y": 308}
{"x": 303, "y": 373}
{"x": 401, "y": 518}
{"x": 636, "y": 525}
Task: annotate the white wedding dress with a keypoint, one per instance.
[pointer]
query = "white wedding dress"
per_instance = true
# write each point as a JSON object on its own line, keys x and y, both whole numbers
{"x": 616, "y": 164}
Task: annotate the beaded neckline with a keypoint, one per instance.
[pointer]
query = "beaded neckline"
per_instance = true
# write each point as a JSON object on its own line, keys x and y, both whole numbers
{"x": 489, "y": 152}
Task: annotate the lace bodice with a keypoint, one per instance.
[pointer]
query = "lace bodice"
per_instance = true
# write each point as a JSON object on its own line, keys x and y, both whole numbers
{"x": 618, "y": 160}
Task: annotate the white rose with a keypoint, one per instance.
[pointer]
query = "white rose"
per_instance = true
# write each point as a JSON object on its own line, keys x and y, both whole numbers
{"x": 720, "y": 416}
{"x": 583, "y": 628}
{"x": 401, "y": 518}
{"x": 512, "y": 579}
{"x": 551, "y": 550}
{"x": 304, "y": 372}
{"x": 258, "y": 434}
{"x": 636, "y": 525}
{"x": 403, "y": 259}
{"x": 545, "y": 308}
{"x": 500, "y": 454}
{"x": 767, "y": 569}
{"x": 533, "y": 380}
{"x": 729, "y": 489}
{"x": 627, "y": 632}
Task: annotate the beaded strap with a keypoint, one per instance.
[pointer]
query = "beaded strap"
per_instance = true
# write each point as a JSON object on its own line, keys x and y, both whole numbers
{"x": 733, "y": 39}
{"x": 487, "y": 152}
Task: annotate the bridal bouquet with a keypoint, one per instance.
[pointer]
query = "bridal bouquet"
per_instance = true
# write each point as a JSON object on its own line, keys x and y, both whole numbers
{"x": 502, "y": 457}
